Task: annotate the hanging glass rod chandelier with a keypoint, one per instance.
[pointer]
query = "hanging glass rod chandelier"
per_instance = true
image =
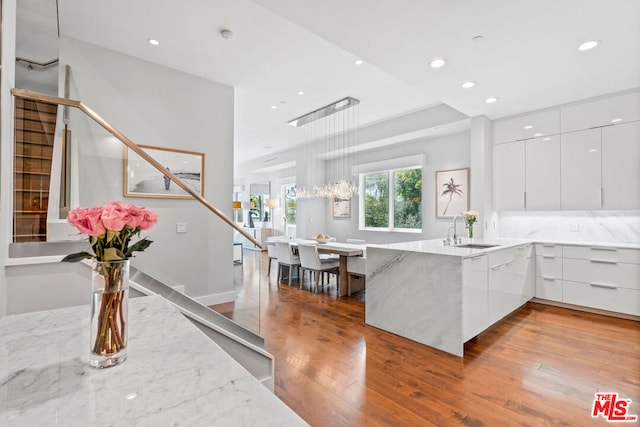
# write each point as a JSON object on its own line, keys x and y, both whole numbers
{"x": 329, "y": 135}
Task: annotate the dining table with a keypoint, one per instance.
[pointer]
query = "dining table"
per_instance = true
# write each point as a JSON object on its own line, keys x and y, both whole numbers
{"x": 344, "y": 250}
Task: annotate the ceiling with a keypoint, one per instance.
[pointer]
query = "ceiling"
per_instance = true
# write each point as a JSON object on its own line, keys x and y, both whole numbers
{"x": 527, "y": 55}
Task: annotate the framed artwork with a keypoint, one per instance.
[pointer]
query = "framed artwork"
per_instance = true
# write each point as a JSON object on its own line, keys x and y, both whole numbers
{"x": 341, "y": 208}
{"x": 143, "y": 180}
{"x": 452, "y": 192}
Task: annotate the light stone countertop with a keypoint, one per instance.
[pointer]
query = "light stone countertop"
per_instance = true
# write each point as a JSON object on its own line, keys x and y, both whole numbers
{"x": 174, "y": 375}
{"x": 437, "y": 247}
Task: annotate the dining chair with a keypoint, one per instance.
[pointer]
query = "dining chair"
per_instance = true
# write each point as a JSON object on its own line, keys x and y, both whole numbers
{"x": 271, "y": 252}
{"x": 310, "y": 261}
{"x": 288, "y": 259}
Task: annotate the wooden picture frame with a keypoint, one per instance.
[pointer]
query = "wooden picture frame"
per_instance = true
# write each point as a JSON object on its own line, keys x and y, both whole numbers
{"x": 340, "y": 208}
{"x": 452, "y": 192}
{"x": 143, "y": 180}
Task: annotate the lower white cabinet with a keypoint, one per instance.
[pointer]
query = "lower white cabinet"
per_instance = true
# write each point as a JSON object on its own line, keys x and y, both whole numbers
{"x": 605, "y": 278}
{"x": 511, "y": 280}
{"x": 475, "y": 316}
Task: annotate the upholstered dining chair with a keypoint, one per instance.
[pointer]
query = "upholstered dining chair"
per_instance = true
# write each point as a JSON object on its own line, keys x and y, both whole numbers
{"x": 286, "y": 258}
{"x": 271, "y": 252}
{"x": 310, "y": 261}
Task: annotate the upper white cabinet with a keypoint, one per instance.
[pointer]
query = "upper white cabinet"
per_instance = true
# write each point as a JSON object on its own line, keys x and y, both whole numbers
{"x": 602, "y": 112}
{"x": 581, "y": 176}
{"x": 527, "y": 126}
{"x": 542, "y": 173}
{"x": 508, "y": 176}
{"x": 621, "y": 166}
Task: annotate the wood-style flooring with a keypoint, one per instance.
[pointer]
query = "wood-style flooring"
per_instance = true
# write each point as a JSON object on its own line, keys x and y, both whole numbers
{"x": 541, "y": 365}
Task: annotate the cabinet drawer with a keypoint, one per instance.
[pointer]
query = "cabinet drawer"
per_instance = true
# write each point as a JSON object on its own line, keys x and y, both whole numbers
{"x": 631, "y": 256}
{"x": 548, "y": 267}
{"x": 602, "y": 273}
{"x": 550, "y": 289}
{"x": 500, "y": 257}
{"x": 620, "y": 300}
{"x": 548, "y": 250}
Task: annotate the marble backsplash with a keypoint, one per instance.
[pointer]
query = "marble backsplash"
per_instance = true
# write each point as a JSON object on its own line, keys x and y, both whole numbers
{"x": 578, "y": 226}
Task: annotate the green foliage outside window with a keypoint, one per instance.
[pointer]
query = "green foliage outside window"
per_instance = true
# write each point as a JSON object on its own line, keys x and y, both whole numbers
{"x": 376, "y": 204}
{"x": 405, "y": 194}
{"x": 291, "y": 211}
{"x": 408, "y": 198}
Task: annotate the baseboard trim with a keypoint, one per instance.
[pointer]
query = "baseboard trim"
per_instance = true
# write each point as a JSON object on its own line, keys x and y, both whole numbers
{"x": 586, "y": 309}
{"x": 219, "y": 298}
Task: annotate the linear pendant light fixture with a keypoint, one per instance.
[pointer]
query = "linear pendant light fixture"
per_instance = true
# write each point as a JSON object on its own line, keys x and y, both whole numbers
{"x": 325, "y": 111}
{"x": 329, "y": 135}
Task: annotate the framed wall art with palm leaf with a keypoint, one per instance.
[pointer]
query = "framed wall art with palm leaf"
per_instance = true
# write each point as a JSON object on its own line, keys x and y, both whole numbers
{"x": 452, "y": 192}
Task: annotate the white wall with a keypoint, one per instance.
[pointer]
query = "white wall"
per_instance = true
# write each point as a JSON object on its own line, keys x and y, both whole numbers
{"x": 448, "y": 152}
{"x": 158, "y": 106}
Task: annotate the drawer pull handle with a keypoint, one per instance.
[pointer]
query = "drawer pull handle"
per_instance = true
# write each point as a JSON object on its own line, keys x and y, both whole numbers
{"x": 548, "y": 256}
{"x": 551, "y": 279}
{"x": 602, "y": 285}
{"x": 548, "y": 246}
{"x": 604, "y": 249}
{"x": 603, "y": 261}
{"x": 497, "y": 267}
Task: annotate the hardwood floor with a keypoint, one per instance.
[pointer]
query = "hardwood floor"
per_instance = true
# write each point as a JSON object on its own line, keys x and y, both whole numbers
{"x": 541, "y": 365}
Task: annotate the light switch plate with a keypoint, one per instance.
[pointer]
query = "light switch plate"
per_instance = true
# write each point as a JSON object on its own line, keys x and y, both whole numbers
{"x": 574, "y": 227}
{"x": 181, "y": 227}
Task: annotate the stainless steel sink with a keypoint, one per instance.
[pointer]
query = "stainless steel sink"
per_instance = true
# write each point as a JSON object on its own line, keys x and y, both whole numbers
{"x": 476, "y": 246}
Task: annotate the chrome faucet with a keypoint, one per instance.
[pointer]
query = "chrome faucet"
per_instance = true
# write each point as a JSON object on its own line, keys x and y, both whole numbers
{"x": 455, "y": 239}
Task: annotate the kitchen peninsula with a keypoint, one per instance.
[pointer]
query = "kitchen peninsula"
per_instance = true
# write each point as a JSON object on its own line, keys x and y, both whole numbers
{"x": 442, "y": 295}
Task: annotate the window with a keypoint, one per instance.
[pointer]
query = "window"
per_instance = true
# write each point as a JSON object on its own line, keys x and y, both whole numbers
{"x": 392, "y": 200}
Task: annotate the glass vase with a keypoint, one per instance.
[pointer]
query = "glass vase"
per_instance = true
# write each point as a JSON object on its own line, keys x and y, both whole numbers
{"x": 109, "y": 313}
{"x": 471, "y": 231}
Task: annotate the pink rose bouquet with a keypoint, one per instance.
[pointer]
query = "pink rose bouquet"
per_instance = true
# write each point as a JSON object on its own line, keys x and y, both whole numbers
{"x": 110, "y": 229}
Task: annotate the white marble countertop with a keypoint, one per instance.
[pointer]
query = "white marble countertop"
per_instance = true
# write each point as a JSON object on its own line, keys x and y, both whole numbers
{"x": 174, "y": 375}
{"x": 436, "y": 246}
{"x": 600, "y": 244}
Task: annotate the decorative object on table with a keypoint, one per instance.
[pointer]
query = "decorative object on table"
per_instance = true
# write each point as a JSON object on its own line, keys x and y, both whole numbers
{"x": 143, "y": 180}
{"x": 470, "y": 218}
{"x": 110, "y": 229}
{"x": 341, "y": 208}
{"x": 324, "y": 238}
{"x": 452, "y": 192}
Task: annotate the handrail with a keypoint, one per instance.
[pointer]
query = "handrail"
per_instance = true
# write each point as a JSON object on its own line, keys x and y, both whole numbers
{"x": 34, "y": 96}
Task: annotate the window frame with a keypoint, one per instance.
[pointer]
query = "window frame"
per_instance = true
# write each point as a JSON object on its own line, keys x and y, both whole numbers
{"x": 391, "y": 201}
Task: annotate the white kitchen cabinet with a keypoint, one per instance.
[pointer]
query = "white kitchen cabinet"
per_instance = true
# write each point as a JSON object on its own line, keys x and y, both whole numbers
{"x": 475, "y": 316}
{"x": 606, "y": 278}
{"x": 527, "y": 126}
{"x": 621, "y": 166}
{"x": 542, "y": 173}
{"x": 602, "y": 112}
{"x": 511, "y": 281}
{"x": 581, "y": 170}
{"x": 509, "y": 176}
{"x": 549, "y": 271}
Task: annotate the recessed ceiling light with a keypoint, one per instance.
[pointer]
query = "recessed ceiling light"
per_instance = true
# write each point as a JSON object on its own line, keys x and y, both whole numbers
{"x": 273, "y": 107}
{"x": 527, "y": 127}
{"x": 153, "y": 42}
{"x": 468, "y": 84}
{"x": 359, "y": 62}
{"x": 300, "y": 92}
{"x": 588, "y": 45}
{"x": 491, "y": 100}
{"x": 546, "y": 139}
{"x": 616, "y": 120}
{"x": 592, "y": 150}
{"x": 437, "y": 62}
{"x": 477, "y": 38}
{"x": 537, "y": 134}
